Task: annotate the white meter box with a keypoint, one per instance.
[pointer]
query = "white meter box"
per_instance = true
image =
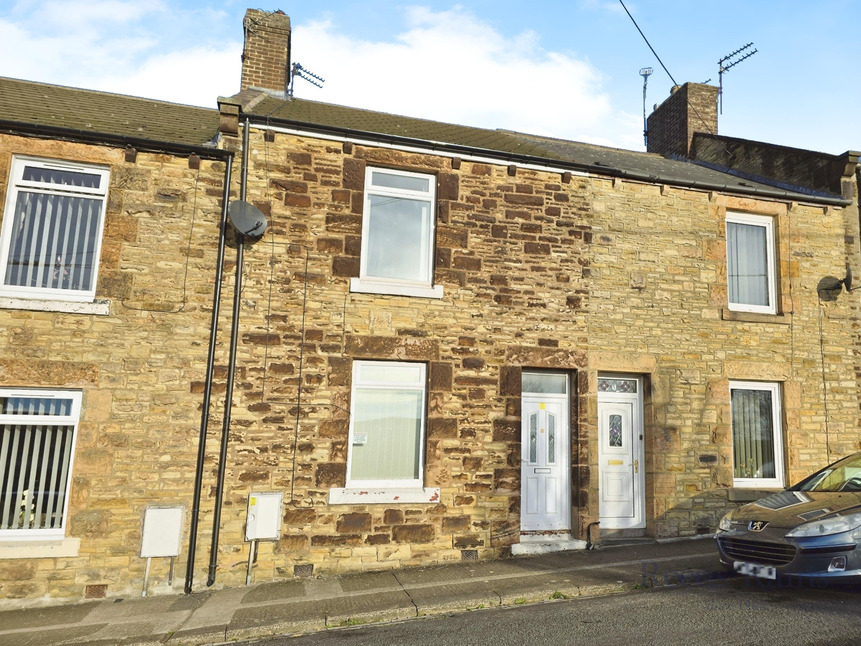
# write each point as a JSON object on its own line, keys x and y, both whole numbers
{"x": 264, "y": 516}
{"x": 162, "y": 532}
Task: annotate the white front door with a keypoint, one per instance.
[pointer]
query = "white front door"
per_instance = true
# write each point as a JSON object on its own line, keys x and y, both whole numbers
{"x": 545, "y": 465}
{"x": 620, "y": 452}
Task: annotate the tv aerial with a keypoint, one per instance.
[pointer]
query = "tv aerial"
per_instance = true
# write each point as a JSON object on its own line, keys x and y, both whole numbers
{"x": 728, "y": 61}
{"x": 645, "y": 73}
{"x": 298, "y": 71}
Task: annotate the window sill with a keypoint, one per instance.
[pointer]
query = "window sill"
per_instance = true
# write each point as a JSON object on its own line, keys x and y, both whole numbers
{"x": 740, "y": 493}
{"x": 754, "y": 317}
{"x": 365, "y": 286}
{"x": 99, "y": 307}
{"x": 39, "y": 548}
{"x": 344, "y": 496}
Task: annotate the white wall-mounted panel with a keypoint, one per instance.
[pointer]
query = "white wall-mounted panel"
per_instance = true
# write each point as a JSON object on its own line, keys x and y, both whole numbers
{"x": 162, "y": 532}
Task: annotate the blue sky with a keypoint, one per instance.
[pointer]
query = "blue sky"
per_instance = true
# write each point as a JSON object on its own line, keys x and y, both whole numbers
{"x": 565, "y": 69}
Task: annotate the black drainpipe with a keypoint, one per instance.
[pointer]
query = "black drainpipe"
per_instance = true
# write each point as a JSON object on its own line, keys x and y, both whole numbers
{"x": 207, "y": 390}
{"x": 231, "y": 367}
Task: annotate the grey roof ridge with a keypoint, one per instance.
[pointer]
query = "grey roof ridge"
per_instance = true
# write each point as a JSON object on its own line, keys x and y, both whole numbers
{"x": 107, "y": 93}
{"x": 373, "y": 111}
{"x": 529, "y": 135}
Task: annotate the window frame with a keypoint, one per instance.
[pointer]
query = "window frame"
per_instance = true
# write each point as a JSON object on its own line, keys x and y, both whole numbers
{"x": 419, "y": 385}
{"x": 16, "y": 185}
{"x": 369, "y": 283}
{"x": 778, "y": 481}
{"x": 768, "y": 224}
{"x": 72, "y": 419}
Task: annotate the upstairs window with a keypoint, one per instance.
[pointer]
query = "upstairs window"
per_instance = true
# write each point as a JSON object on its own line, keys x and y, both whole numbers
{"x": 52, "y": 230}
{"x": 37, "y": 438}
{"x": 397, "y": 233}
{"x": 751, "y": 267}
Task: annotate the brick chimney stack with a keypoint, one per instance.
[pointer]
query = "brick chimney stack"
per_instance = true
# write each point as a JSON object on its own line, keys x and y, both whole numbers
{"x": 690, "y": 108}
{"x": 266, "y": 56}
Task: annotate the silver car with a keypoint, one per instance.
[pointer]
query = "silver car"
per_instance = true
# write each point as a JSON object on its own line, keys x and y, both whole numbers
{"x": 811, "y": 530}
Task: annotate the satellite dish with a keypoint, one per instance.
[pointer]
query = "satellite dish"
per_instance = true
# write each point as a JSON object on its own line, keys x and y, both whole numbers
{"x": 246, "y": 218}
{"x": 847, "y": 282}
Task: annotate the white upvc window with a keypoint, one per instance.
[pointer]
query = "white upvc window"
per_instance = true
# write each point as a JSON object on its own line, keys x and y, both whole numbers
{"x": 398, "y": 234}
{"x": 37, "y": 443}
{"x": 751, "y": 265}
{"x": 387, "y": 425}
{"x": 52, "y": 230}
{"x": 757, "y": 434}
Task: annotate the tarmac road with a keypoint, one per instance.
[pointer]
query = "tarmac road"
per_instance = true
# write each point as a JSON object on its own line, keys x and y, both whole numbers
{"x": 718, "y": 611}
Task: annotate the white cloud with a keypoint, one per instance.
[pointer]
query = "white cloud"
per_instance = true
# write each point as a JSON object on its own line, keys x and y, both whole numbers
{"x": 451, "y": 66}
{"x": 195, "y": 77}
{"x": 443, "y": 65}
{"x": 123, "y": 46}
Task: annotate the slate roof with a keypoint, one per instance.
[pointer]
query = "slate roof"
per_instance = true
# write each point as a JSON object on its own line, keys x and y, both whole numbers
{"x": 516, "y": 146}
{"x": 90, "y": 112}
{"x": 73, "y": 112}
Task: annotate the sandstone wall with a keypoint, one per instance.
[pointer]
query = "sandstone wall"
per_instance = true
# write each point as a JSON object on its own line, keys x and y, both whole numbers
{"x": 539, "y": 269}
{"x": 139, "y": 367}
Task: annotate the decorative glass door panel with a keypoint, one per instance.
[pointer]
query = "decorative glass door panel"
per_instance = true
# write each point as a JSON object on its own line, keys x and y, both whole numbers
{"x": 620, "y": 453}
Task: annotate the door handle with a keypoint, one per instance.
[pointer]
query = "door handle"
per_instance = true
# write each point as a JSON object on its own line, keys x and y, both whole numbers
{"x": 636, "y": 466}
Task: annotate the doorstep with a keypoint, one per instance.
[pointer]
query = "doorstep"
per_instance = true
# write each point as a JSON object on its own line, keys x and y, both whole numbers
{"x": 533, "y": 545}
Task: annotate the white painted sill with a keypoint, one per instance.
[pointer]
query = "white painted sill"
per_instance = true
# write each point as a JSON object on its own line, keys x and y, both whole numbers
{"x": 39, "y": 549}
{"x": 98, "y": 307}
{"x": 365, "y": 286}
{"x": 344, "y": 496}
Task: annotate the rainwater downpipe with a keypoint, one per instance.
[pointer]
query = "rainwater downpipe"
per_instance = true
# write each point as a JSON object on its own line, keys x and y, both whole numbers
{"x": 231, "y": 367}
{"x": 207, "y": 390}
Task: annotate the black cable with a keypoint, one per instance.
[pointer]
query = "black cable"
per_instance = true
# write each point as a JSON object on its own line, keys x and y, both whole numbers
{"x": 647, "y": 42}
{"x": 692, "y": 107}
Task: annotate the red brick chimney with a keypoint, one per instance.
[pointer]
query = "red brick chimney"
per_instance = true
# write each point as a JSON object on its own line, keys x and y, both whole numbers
{"x": 266, "y": 56}
{"x": 690, "y": 108}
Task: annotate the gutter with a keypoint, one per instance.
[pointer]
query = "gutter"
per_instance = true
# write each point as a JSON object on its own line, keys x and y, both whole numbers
{"x": 119, "y": 141}
{"x": 546, "y": 163}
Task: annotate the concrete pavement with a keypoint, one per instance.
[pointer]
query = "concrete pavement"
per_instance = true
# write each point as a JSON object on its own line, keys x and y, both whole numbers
{"x": 306, "y": 605}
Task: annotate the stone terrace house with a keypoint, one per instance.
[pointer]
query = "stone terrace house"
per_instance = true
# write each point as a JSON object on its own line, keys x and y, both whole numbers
{"x": 451, "y": 343}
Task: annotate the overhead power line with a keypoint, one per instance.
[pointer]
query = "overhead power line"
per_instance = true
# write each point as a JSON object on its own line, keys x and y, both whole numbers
{"x": 647, "y": 42}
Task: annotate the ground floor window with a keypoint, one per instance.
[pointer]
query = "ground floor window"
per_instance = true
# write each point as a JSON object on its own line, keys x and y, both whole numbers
{"x": 387, "y": 425}
{"x": 37, "y": 438}
{"x": 757, "y": 435}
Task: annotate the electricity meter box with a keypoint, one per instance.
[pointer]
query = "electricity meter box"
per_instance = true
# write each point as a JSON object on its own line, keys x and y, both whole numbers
{"x": 162, "y": 532}
{"x": 264, "y": 516}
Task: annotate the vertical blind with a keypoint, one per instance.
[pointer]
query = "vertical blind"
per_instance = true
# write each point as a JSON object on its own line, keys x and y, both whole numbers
{"x": 747, "y": 263}
{"x": 386, "y": 435}
{"x": 34, "y": 464}
{"x": 54, "y": 241}
{"x": 752, "y": 433}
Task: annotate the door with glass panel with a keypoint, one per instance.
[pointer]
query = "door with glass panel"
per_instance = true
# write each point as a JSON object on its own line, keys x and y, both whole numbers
{"x": 545, "y": 463}
{"x": 620, "y": 453}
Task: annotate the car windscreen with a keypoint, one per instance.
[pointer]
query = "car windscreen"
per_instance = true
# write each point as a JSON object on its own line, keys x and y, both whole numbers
{"x": 844, "y": 475}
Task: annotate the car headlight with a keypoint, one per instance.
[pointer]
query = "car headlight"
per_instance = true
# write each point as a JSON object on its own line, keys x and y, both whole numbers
{"x": 725, "y": 524}
{"x": 827, "y": 526}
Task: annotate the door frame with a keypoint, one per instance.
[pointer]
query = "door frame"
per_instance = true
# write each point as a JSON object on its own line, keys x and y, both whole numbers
{"x": 564, "y": 487}
{"x": 638, "y": 482}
